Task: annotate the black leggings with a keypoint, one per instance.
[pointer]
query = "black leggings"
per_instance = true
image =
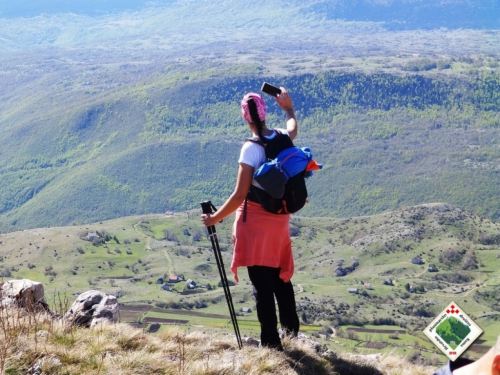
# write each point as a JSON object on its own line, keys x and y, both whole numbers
{"x": 267, "y": 284}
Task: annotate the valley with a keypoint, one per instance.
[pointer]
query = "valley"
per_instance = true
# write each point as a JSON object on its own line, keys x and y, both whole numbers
{"x": 371, "y": 254}
{"x": 118, "y": 118}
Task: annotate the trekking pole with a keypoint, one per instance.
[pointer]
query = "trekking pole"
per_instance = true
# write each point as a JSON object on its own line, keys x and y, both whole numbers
{"x": 207, "y": 208}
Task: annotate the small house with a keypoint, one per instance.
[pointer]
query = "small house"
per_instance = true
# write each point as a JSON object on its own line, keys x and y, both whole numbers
{"x": 368, "y": 286}
{"x": 246, "y": 309}
{"x": 388, "y": 282}
{"x": 190, "y": 284}
{"x": 353, "y": 290}
{"x": 92, "y": 236}
{"x": 417, "y": 260}
{"x": 432, "y": 268}
{"x": 174, "y": 279}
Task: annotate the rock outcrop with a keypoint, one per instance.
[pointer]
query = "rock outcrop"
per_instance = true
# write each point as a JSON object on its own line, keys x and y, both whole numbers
{"x": 89, "y": 309}
{"x": 93, "y": 308}
{"x": 23, "y": 293}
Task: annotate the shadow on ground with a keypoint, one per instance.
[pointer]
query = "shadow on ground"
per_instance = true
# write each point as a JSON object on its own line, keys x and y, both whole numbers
{"x": 305, "y": 364}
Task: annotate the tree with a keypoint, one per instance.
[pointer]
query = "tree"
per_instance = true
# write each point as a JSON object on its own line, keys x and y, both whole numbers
{"x": 197, "y": 235}
{"x": 450, "y": 256}
{"x": 170, "y": 236}
{"x": 5, "y": 272}
{"x": 470, "y": 261}
{"x": 304, "y": 317}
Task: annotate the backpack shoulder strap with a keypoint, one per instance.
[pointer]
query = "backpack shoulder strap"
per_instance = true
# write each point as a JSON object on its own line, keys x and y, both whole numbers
{"x": 259, "y": 142}
{"x": 255, "y": 140}
{"x": 277, "y": 144}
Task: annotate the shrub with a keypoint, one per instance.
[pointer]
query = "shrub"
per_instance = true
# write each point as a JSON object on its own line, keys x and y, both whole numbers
{"x": 450, "y": 256}
{"x": 470, "y": 261}
{"x": 455, "y": 278}
{"x": 5, "y": 272}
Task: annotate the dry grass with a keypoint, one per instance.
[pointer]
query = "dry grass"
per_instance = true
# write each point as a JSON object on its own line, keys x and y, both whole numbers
{"x": 390, "y": 363}
{"x": 35, "y": 343}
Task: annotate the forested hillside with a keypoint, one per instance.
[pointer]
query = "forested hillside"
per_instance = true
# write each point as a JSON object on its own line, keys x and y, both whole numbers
{"x": 420, "y": 14}
{"x": 118, "y": 109}
{"x": 385, "y": 141}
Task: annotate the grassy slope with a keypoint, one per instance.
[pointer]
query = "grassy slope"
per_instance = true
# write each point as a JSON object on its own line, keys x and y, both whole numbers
{"x": 383, "y": 245}
{"x": 36, "y": 341}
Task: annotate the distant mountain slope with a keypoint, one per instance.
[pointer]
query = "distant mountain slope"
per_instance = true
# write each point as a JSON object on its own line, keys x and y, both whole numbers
{"x": 29, "y": 8}
{"x": 54, "y": 22}
{"x": 134, "y": 108}
{"x": 385, "y": 141}
{"x": 416, "y": 14}
{"x": 394, "y": 14}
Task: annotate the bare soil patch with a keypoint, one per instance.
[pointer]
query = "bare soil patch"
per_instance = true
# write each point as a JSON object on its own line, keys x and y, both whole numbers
{"x": 481, "y": 349}
{"x": 190, "y": 313}
{"x": 129, "y": 316}
{"x": 372, "y": 330}
{"x": 375, "y": 345}
{"x": 165, "y": 321}
{"x": 138, "y": 308}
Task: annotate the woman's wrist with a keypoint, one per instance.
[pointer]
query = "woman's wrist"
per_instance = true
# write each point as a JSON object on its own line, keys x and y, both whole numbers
{"x": 290, "y": 114}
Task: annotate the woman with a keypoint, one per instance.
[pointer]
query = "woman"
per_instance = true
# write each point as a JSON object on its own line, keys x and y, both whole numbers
{"x": 262, "y": 241}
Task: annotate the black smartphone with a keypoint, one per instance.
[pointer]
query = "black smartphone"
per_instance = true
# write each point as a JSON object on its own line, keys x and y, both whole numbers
{"x": 270, "y": 89}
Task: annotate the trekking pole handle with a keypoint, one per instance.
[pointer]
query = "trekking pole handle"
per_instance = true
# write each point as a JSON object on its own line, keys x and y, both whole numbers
{"x": 208, "y": 208}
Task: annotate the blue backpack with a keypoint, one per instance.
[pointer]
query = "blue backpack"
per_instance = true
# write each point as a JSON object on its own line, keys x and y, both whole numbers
{"x": 282, "y": 177}
{"x": 274, "y": 175}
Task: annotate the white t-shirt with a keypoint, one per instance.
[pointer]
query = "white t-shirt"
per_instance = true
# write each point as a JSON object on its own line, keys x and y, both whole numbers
{"x": 254, "y": 155}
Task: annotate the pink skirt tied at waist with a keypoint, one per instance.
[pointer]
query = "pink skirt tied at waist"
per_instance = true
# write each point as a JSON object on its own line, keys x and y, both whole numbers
{"x": 263, "y": 240}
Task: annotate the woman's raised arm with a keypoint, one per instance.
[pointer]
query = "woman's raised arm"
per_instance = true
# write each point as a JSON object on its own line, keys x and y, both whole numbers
{"x": 285, "y": 102}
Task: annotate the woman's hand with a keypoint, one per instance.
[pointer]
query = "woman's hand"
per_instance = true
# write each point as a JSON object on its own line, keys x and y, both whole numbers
{"x": 284, "y": 100}
{"x": 208, "y": 220}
